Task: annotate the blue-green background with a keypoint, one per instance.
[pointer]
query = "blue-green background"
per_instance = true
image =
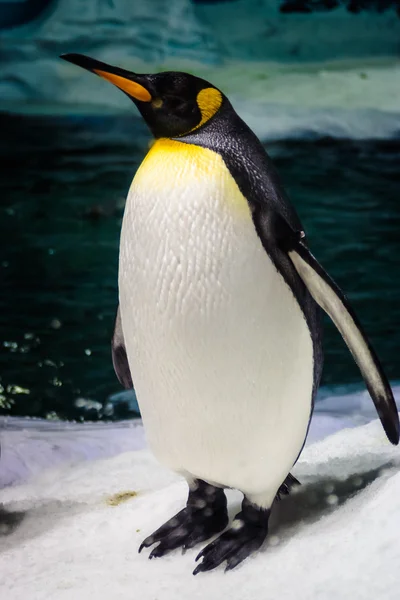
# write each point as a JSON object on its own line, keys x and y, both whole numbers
{"x": 63, "y": 182}
{"x": 60, "y": 221}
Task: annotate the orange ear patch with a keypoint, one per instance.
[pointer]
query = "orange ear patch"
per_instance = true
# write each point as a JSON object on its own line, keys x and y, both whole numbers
{"x": 209, "y": 102}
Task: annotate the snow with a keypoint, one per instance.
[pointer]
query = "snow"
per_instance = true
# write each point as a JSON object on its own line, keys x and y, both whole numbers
{"x": 66, "y": 536}
{"x": 28, "y": 446}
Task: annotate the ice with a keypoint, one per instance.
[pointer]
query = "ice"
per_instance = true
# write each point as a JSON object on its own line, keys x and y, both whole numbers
{"x": 73, "y": 532}
{"x": 120, "y": 30}
{"x": 29, "y": 446}
{"x": 257, "y": 30}
{"x": 290, "y": 76}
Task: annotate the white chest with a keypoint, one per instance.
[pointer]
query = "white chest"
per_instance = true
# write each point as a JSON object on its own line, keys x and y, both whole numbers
{"x": 219, "y": 350}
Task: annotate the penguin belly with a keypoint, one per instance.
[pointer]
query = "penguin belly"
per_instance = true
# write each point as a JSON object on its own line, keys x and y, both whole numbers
{"x": 219, "y": 349}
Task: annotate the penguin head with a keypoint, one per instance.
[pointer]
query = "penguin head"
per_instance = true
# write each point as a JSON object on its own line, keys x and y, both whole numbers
{"x": 172, "y": 104}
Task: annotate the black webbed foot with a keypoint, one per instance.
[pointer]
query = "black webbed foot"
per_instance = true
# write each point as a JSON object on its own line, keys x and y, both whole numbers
{"x": 204, "y": 515}
{"x": 248, "y": 532}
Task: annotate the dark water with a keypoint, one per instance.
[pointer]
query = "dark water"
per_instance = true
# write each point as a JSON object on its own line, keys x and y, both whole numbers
{"x": 63, "y": 184}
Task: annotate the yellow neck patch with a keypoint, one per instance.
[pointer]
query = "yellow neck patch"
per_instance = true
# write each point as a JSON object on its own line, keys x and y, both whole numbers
{"x": 209, "y": 102}
{"x": 174, "y": 170}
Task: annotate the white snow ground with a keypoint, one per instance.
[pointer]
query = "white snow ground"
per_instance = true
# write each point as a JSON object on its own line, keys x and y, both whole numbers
{"x": 336, "y": 538}
{"x": 28, "y": 446}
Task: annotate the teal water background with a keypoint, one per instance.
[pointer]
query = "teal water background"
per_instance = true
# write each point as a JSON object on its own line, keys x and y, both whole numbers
{"x": 63, "y": 182}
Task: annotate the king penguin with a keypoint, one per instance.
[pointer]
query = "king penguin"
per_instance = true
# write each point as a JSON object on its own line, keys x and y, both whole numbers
{"x": 218, "y": 324}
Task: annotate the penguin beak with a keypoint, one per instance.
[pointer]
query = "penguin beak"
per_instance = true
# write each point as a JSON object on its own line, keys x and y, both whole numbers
{"x": 124, "y": 80}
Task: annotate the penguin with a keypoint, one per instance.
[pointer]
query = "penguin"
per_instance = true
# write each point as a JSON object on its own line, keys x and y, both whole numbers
{"x": 219, "y": 318}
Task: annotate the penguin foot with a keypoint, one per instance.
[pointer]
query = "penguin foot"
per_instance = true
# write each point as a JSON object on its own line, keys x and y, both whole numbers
{"x": 205, "y": 514}
{"x": 287, "y": 486}
{"x": 248, "y": 532}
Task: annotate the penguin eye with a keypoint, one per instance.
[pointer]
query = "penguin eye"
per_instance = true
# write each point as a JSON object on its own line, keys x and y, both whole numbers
{"x": 175, "y": 104}
{"x": 157, "y": 103}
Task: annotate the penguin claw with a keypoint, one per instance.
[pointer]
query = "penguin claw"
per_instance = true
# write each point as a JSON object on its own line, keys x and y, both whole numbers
{"x": 192, "y": 525}
{"x": 159, "y": 551}
{"x": 149, "y": 541}
{"x": 184, "y": 534}
{"x": 234, "y": 546}
{"x": 247, "y": 534}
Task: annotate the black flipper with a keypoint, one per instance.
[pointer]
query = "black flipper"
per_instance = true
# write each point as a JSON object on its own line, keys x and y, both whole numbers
{"x": 280, "y": 232}
{"x": 332, "y": 300}
{"x": 119, "y": 357}
{"x": 277, "y": 236}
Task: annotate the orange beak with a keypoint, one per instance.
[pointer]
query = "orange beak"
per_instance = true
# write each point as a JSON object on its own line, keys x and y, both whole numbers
{"x": 124, "y": 80}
